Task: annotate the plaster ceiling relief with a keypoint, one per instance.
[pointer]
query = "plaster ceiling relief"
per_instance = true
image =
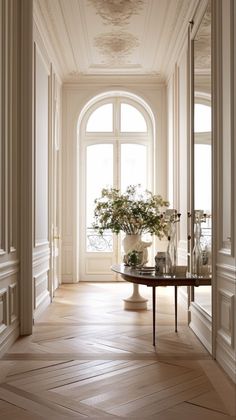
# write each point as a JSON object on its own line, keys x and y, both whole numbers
{"x": 202, "y": 55}
{"x": 116, "y": 47}
{"x": 117, "y": 12}
{"x": 202, "y": 44}
{"x": 112, "y": 37}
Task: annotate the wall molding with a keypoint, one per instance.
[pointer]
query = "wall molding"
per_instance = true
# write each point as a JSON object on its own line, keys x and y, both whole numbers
{"x": 4, "y": 310}
{"x": 8, "y": 268}
{"x": 8, "y": 337}
{"x": 4, "y": 126}
{"x": 226, "y": 359}
{"x": 41, "y": 255}
{"x": 226, "y": 271}
{"x": 226, "y": 316}
{"x": 43, "y": 304}
{"x": 13, "y": 302}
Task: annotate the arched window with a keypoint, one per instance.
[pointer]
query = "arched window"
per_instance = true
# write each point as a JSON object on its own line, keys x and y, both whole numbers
{"x": 116, "y": 150}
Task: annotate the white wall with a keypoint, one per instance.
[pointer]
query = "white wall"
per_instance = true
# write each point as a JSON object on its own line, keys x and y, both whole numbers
{"x": 224, "y": 35}
{"x": 47, "y": 105}
{"x": 75, "y": 97}
{"x": 41, "y": 251}
{"x": 221, "y": 330}
{"x": 9, "y": 176}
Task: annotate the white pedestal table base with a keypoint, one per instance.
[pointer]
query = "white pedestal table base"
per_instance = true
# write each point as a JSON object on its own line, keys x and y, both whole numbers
{"x": 136, "y": 301}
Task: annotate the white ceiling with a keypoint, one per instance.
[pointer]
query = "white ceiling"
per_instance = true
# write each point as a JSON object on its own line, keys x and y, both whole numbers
{"x": 113, "y": 37}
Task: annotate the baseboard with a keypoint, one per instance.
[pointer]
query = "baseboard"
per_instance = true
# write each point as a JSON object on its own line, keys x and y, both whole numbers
{"x": 42, "y": 306}
{"x": 69, "y": 280}
{"x": 201, "y": 325}
{"x": 226, "y": 360}
{"x": 8, "y": 338}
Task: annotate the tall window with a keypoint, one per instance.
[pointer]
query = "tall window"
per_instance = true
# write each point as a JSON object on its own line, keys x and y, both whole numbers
{"x": 203, "y": 186}
{"x": 202, "y": 156}
{"x": 116, "y": 151}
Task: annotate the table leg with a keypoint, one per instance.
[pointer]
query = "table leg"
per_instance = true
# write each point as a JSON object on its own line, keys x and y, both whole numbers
{"x": 154, "y": 316}
{"x": 176, "y": 303}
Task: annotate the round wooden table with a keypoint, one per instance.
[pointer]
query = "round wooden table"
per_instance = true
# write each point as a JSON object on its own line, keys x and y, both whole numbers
{"x": 149, "y": 278}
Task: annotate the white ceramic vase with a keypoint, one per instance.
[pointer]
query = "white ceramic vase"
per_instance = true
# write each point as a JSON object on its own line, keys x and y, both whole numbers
{"x": 130, "y": 242}
{"x": 135, "y": 243}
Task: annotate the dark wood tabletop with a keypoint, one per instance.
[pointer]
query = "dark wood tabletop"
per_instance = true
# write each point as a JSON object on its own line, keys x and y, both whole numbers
{"x": 148, "y": 277}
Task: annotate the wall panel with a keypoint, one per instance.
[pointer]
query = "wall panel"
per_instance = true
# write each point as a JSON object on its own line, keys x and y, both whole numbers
{"x": 224, "y": 279}
{"x": 3, "y": 309}
{"x": 41, "y": 252}
{"x": 41, "y": 148}
{"x": 13, "y": 302}
{"x": 9, "y": 171}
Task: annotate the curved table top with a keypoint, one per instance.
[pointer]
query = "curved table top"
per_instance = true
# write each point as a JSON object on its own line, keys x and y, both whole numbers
{"x": 149, "y": 278}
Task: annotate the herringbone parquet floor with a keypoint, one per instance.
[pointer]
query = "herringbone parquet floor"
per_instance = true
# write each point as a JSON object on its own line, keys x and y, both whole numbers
{"x": 88, "y": 358}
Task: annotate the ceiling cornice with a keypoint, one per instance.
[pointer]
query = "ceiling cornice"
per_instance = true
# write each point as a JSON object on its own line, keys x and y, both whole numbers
{"x": 43, "y": 31}
{"x": 113, "y": 80}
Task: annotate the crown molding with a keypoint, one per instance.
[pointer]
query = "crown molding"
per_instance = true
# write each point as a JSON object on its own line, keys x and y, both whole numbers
{"x": 114, "y": 81}
{"x": 41, "y": 36}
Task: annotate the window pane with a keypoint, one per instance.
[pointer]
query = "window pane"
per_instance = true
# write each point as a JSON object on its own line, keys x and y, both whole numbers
{"x": 202, "y": 115}
{"x": 101, "y": 119}
{"x": 202, "y": 175}
{"x": 132, "y": 119}
{"x": 133, "y": 165}
{"x": 99, "y": 174}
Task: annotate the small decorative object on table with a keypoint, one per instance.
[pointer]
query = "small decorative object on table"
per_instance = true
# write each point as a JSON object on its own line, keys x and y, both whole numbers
{"x": 160, "y": 263}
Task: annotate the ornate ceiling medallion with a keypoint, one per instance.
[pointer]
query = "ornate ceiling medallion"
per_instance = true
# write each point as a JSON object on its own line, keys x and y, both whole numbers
{"x": 117, "y": 12}
{"x": 116, "y": 46}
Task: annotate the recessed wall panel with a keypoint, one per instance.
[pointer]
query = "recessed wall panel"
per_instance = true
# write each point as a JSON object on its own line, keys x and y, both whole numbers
{"x": 227, "y": 127}
{"x": 41, "y": 149}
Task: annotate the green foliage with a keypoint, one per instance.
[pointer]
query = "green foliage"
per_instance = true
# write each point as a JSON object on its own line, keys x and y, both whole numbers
{"x": 132, "y": 212}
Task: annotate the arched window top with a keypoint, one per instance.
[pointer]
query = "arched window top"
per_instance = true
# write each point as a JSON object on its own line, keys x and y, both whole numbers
{"x": 131, "y": 119}
{"x": 202, "y": 118}
{"x": 118, "y": 115}
{"x": 101, "y": 120}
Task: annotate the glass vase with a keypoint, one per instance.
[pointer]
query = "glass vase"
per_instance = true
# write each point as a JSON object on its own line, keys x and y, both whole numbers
{"x": 197, "y": 257}
{"x": 171, "y": 252}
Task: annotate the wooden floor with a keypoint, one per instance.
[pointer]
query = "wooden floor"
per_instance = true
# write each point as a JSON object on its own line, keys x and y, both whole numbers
{"x": 88, "y": 358}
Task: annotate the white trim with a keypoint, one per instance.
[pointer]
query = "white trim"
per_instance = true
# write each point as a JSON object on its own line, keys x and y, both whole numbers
{"x": 199, "y": 316}
{"x": 43, "y": 303}
{"x": 26, "y": 159}
{"x": 8, "y": 268}
{"x": 226, "y": 359}
{"x": 8, "y": 338}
